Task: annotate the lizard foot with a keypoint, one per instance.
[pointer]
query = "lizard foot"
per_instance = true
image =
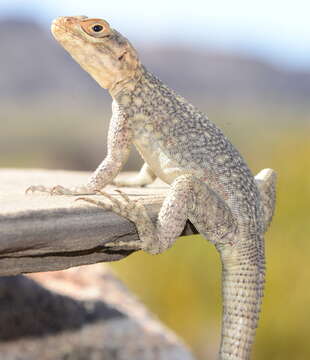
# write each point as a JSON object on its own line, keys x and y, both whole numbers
{"x": 59, "y": 190}
{"x": 132, "y": 210}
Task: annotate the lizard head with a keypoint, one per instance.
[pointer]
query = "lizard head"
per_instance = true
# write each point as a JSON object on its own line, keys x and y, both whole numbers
{"x": 100, "y": 50}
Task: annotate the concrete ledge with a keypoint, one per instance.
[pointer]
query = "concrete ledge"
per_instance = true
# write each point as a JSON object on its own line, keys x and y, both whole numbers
{"x": 39, "y": 232}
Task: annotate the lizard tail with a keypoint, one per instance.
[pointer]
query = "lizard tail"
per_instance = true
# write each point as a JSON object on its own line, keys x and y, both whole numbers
{"x": 243, "y": 285}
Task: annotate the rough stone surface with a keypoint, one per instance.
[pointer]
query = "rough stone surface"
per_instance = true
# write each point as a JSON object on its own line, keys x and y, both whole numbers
{"x": 39, "y": 232}
{"x": 80, "y": 314}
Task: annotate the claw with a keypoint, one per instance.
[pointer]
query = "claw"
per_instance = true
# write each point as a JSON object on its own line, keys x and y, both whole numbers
{"x": 95, "y": 202}
{"x": 132, "y": 210}
{"x": 123, "y": 195}
{"x": 29, "y": 189}
{"x": 56, "y": 190}
{"x": 60, "y": 190}
{"x": 111, "y": 198}
{"x": 40, "y": 188}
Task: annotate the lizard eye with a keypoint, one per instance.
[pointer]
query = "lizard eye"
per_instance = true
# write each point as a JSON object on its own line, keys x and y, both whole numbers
{"x": 97, "y": 28}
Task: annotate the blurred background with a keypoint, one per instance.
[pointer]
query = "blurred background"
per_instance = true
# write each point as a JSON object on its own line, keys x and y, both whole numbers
{"x": 247, "y": 64}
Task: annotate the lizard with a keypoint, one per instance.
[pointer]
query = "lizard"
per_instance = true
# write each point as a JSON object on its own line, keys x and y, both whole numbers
{"x": 210, "y": 182}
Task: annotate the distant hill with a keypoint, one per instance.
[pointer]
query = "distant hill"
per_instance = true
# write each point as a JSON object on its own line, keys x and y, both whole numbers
{"x": 35, "y": 68}
{"x": 51, "y": 110}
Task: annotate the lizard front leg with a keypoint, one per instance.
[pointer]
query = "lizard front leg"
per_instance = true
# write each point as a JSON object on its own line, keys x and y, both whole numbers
{"x": 119, "y": 142}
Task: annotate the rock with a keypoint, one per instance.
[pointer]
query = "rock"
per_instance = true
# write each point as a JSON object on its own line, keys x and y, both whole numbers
{"x": 83, "y": 313}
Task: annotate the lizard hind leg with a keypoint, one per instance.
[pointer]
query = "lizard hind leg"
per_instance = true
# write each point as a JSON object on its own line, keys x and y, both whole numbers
{"x": 171, "y": 219}
{"x": 188, "y": 198}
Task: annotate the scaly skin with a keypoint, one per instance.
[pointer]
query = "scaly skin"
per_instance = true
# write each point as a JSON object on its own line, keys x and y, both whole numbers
{"x": 210, "y": 183}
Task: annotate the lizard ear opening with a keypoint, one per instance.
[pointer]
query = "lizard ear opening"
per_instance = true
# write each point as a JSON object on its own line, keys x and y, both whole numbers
{"x": 96, "y": 27}
{"x": 120, "y": 58}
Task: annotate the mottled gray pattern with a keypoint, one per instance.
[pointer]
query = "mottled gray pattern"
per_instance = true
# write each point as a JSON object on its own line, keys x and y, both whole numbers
{"x": 225, "y": 203}
{"x": 210, "y": 182}
{"x": 186, "y": 135}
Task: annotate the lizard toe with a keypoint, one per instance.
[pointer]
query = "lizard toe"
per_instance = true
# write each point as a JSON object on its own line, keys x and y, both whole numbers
{"x": 38, "y": 188}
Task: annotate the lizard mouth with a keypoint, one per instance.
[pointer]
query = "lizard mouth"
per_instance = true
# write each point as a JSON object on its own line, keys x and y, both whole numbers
{"x": 63, "y": 25}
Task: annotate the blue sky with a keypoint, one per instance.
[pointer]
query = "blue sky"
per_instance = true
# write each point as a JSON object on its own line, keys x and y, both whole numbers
{"x": 278, "y": 31}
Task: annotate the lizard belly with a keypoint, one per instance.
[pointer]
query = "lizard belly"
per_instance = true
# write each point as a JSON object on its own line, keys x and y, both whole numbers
{"x": 164, "y": 168}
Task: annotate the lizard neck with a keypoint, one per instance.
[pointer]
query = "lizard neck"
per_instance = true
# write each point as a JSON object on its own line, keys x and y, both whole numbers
{"x": 127, "y": 85}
